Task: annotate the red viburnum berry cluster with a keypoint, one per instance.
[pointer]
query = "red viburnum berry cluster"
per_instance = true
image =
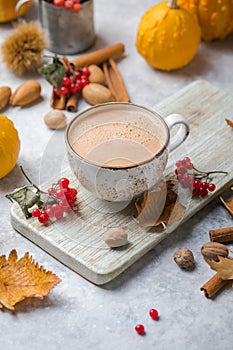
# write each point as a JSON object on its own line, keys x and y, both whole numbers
{"x": 61, "y": 199}
{"x": 73, "y": 82}
{"x": 68, "y": 4}
{"x": 197, "y": 181}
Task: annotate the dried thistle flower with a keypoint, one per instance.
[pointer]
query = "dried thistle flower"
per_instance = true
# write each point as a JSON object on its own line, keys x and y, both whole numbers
{"x": 22, "y": 50}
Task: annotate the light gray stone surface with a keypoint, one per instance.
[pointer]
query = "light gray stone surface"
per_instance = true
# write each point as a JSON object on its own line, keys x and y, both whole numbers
{"x": 77, "y": 314}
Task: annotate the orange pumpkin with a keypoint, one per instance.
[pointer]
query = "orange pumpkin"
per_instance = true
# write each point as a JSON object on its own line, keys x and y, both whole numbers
{"x": 215, "y": 17}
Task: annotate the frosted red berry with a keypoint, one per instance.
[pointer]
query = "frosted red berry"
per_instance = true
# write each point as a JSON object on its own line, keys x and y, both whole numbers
{"x": 139, "y": 328}
{"x": 154, "y": 314}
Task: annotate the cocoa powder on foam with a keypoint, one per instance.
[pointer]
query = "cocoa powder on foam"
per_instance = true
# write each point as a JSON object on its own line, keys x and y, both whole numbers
{"x": 117, "y": 145}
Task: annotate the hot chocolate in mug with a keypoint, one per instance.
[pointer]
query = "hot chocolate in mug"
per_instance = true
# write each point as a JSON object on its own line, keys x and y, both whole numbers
{"x": 119, "y": 150}
{"x": 11, "y": 9}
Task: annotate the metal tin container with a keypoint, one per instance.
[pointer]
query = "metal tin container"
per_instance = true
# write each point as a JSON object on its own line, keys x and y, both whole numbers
{"x": 68, "y": 32}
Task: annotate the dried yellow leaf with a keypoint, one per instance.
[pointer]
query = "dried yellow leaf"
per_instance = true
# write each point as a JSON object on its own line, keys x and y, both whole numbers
{"x": 23, "y": 278}
{"x": 229, "y": 122}
{"x": 159, "y": 206}
{"x": 224, "y": 267}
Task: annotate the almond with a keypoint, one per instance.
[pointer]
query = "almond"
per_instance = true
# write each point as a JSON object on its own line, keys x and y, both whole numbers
{"x": 26, "y": 93}
{"x": 96, "y": 74}
{"x": 96, "y": 94}
{"x": 211, "y": 251}
{"x": 5, "y": 94}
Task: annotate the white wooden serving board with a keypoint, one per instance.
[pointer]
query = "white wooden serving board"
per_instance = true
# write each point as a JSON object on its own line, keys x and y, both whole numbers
{"x": 77, "y": 240}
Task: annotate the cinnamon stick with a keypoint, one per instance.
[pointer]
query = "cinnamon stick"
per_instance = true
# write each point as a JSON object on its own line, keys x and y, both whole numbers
{"x": 57, "y": 102}
{"x": 115, "y": 81}
{"x": 213, "y": 286}
{"x": 227, "y": 204}
{"x": 99, "y": 56}
{"x": 221, "y": 235}
{"x": 72, "y": 102}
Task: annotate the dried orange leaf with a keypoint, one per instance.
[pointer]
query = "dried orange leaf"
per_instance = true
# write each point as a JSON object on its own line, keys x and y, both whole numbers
{"x": 23, "y": 278}
{"x": 159, "y": 206}
{"x": 227, "y": 204}
{"x": 224, "y": 267}
{"x": 229, "y": 122}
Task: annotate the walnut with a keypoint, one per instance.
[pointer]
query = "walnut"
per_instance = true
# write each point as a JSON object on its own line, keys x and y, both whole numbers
{"x": 212, "y": 250}
{"x": 184, "y": 258}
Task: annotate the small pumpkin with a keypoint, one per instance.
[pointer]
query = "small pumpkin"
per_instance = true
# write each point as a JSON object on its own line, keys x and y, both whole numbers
{"x": 168, "y": 36}
{"x": 215, "y": 17}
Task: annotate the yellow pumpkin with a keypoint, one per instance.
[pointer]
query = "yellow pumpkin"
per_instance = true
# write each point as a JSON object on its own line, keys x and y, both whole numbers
{"x": 215, "y": 17}
{"x": 168, "y": 36}
{"x": 9, "y": 145}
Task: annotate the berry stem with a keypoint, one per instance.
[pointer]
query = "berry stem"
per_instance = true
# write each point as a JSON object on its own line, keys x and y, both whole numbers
{"x": 206, "y": 174}
{"x": 29, "y": 180}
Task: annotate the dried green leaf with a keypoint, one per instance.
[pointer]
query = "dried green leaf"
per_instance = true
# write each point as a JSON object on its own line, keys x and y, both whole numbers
{"x": 25, "y": 197}
{"x": 53, "y": 72}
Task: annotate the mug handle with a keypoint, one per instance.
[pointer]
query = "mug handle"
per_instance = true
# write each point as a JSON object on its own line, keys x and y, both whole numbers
{"x": 19, "y": 4}
{"x": 182, "y": 133}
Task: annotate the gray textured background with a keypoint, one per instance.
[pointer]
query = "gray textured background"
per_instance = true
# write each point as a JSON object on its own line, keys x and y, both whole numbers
{"x": 77, "y": 314}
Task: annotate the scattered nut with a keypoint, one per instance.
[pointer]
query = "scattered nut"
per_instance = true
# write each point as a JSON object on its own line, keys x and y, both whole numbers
{"x": 96, "y": 74}
{"x": 5, "y": 94}
{"x": 184, "y": 258}
{"x": 96, "y": 94}
{"x": 115, "y": 237}
{"x": 211, "y": 250}
{"x": 26, "y": 93}
{"x": 55, "y": 119}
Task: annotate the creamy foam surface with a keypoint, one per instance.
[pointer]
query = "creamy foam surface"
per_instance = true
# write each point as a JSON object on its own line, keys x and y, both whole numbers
{"x": 117, "y": 145}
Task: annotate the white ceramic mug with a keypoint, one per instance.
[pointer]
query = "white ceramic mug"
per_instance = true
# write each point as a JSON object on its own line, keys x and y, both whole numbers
{"x": 122, "y": 183}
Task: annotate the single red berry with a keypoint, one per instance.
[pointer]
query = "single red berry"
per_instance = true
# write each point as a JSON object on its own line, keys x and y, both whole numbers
{"x": 78, "y": 85}
{"x": 59, "y": 214}
{"x": 64, "y": 90}
{"x": 179, "y": 163}
{"x": 43, "y": 217}
{"x": 154, "y": 314}
{"x": 84, "y": 81}
{"x": 50, "y": 212}
{"x": 76, "y": 7}
{"x": 70, "y": 199}
{"x": 58, "y": 3}
{"x": 73, "y": 88}
{"x": 211, "y": 187}
{"x": 204, "y": 185}
{"x": 85, "y": 71}
{"x": 140, "y": 329}
{"x": 196, "y": 184}
{"x": 36, "y": 212}
{"x": 187, "y": 181}
{"x": 73, "y": 192}
{"x": 78, "y": 74}
{"x": 196, "y": 191}
{"x": 69, "y": 4}
{"x": 182, "y": 170}
{"x": 203, "y": 192}
{"x": 56, "y": 92}
{"x": 51, "y": 191}
{"x": 66, "y": 81}
{"x": 64, "y": 182}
